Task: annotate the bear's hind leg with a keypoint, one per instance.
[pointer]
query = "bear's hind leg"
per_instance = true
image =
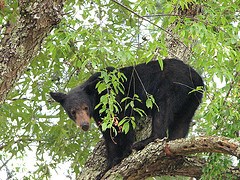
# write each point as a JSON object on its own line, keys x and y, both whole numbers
{"x": 180, "y": 126}
{"x": 161, "y": 119}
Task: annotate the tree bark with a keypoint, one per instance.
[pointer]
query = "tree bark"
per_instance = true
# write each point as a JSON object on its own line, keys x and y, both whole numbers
{"x": 22, "y": 38}
{"x": 162, "y": 158}
{"x": 176, "y": 48}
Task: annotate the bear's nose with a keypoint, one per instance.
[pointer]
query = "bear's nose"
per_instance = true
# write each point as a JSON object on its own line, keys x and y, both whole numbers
{"x": 85, "y": 126}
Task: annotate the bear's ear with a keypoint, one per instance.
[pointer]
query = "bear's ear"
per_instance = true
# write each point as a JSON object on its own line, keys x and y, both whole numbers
{"x": 58, "y": 97}
{"x": 110, "y": 69}
{"x": 91, "y": 87}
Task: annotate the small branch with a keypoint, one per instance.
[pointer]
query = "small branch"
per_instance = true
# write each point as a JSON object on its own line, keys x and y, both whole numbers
{"x": 231, "y": 86}
{"x": 145, "y": 19}
{"x": 5, "y": 163}
{"x": 3, "y": 145}
{"x": 174, "y": 15}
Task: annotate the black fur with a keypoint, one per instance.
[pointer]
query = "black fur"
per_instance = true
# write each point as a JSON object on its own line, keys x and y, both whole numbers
{"x": 170, "y": 89}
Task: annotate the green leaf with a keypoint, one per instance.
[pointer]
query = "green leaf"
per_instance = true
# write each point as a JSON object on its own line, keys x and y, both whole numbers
{"x": 125, "y": 127}
{"x": 160, "y": 61}
{"x": 101, "y": 87}
{"x": 149, "y": 103}
{"x": 104, "y": 126}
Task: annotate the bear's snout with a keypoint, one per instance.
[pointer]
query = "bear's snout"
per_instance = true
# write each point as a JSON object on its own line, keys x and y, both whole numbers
{"x": 83, "y": 120}
{"x": 85, "y": 126}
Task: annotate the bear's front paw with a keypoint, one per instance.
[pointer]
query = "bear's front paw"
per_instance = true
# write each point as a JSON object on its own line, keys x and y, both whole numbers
{"x": 138, "y": 146}
{"x": 112, "y": 162}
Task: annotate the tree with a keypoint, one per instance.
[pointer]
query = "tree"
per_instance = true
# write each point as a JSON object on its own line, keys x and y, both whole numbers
{"x": 22, "y": 36}
{"x": 39, "y": 53}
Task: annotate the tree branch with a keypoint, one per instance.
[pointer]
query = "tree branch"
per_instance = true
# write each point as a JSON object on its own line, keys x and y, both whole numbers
{"x": 162, "y": 158}
{"x": 22, "y": 139}
{"x": 23, "y": 37}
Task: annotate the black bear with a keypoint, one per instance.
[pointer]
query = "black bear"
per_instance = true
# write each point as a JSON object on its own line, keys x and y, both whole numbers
{"x": 173, "y": 91}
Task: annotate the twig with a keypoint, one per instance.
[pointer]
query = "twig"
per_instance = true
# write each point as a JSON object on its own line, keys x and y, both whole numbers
{"x": 19, "y": 140}
{"x": 145, "y": 19}
{"x": 5, "y": 163}
{"x": 230, "y": 89}
{"x": 174, "y": 15}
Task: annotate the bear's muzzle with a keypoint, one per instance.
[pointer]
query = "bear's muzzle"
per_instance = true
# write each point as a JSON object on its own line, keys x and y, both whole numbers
{"x": 83, "y": 120}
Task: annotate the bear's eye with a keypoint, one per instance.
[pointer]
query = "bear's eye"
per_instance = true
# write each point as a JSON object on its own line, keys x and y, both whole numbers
{"x": 73, "y": 112}
{"x": 85, "y": 108}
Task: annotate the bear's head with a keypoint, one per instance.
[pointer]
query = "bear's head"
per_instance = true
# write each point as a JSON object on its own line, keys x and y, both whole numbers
{"x": 77, "y": 105}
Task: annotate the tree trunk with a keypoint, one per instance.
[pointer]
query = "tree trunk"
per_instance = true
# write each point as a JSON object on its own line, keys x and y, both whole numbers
{"x": 22, "y": 38}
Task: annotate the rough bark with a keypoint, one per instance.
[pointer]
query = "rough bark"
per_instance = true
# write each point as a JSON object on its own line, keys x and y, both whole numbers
{"x": 22, "y": 38}
{"x": 176, "y": 48}
{"x": 162, "y": 158}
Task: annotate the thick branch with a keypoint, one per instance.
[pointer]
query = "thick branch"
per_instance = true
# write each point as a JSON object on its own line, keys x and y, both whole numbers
{"x": 22, "y": 38}
{"x": 162, "y": 158}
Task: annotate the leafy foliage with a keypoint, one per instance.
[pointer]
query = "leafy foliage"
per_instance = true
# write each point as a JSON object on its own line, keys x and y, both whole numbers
{"x": 97, "y": 34}
{"x": 111, "y": 84}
